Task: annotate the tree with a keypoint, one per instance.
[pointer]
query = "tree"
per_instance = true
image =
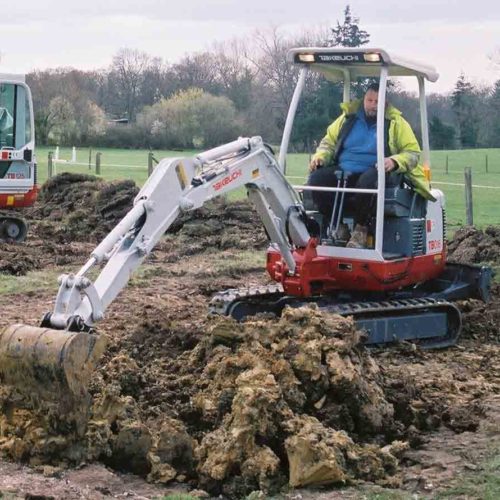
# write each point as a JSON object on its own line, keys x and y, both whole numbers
{"x": 348, "y": 34}
{"x": 492, "y": 117}
{"x": 441, "y": 136}
{"x": 234, "y": 72}
{"x": 154, "y": 83}
{"x": 322, "y": 98}
{"x": 61, "y": 119}
{"x": 190, "y": 119}
{"x": 197, "y": 71}
{"x": 276, "y": 78}
{"x": 464, "y": 105}
{"x": 127, "y": 71}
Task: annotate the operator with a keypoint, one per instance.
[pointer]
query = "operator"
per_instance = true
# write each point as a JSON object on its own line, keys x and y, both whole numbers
{"x": 350, "y": 144}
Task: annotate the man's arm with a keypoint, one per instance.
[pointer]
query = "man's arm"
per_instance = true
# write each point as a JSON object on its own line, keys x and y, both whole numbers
{"x": 407, "y": 146}
{"x": 326, "y": 148}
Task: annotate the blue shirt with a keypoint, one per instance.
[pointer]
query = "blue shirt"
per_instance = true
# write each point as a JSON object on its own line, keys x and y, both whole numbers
{"x": 359, "y": 152}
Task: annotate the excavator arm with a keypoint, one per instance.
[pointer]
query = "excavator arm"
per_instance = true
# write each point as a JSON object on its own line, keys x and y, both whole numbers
{"x": 62, "y": 353}
{"x": 177, "y": 186}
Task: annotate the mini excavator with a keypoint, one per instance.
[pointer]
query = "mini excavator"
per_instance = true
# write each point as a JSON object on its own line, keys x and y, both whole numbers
{"x": 18, "y": 180}
{"x": 401, "y": 289}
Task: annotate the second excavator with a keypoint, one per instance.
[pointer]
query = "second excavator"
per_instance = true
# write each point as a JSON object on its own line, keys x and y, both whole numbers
{"x": 18, "y": 174}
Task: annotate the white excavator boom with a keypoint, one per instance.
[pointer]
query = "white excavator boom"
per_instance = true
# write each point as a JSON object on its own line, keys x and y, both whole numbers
{"x": 180, "y": 185}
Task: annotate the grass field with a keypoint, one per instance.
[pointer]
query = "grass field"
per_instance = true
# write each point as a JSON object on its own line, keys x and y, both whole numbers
{"x": 132, "y": 164}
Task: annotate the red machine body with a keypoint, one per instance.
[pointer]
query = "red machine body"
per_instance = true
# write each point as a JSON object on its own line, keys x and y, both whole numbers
{"x": 19, "y": 200}
{"x": 316, "y": 274}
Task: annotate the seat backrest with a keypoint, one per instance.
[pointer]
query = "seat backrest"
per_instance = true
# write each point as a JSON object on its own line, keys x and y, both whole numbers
{"x": 403, "y": 202}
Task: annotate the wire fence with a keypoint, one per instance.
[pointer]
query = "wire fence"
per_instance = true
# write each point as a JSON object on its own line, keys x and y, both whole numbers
{"x": 97, "y": 166}
{"x": 53, "y": 161}
{"x": 488, "y": 163}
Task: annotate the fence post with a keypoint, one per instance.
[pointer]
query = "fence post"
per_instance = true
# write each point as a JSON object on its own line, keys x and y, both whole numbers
{"x": 486, "y": 163}
{"x": 150, "y": 163}
{"x": 49, "y": 164}
{"x": 98, "y": 163}
{"x": 468, "y": 196}
{"x": 446, "y": 164}
{"x": 90, "y": 158}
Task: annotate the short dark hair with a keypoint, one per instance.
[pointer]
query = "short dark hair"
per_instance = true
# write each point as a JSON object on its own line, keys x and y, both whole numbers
{"x": 373, "y": 86}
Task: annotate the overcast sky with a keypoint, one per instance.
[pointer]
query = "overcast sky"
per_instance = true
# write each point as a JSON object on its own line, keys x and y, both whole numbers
{"x": 453, "y": 35}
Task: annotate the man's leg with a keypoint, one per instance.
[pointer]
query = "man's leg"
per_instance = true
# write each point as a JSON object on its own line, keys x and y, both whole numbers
{"x": 363, "y": 208}
{"x": 366, "y": 203}
{"x": 323, "y": 177}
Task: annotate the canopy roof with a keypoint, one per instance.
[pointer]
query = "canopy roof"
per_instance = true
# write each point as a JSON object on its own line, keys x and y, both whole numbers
{"x": 9, "y": 77}
{"x": 335, "y": 62}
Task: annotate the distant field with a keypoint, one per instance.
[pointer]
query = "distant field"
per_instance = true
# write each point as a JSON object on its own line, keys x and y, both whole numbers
{"x": 132, "y": 164}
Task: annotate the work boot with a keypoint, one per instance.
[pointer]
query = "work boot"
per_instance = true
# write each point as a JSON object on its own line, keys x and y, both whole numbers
{"x": 358, "y": 237}
{"x": 343, "y": 233}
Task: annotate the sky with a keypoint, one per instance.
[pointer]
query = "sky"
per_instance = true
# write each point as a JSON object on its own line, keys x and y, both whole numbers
{"x": 453, "y": 35}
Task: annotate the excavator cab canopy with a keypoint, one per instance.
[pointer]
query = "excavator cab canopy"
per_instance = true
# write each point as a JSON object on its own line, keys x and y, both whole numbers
{"x": 335, "y": 64}
{"x": 347, "y": 65}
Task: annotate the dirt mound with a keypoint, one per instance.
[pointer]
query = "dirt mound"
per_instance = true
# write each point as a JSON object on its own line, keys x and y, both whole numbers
{"x": 16, "y": 260}
{"x": 73, "y": 212}
{"x": 218, "y": 225}
{"x": 79, "y": 207}
{"x": 471, "y": 245}
{"x": 82, "y": 207}
{"x": 475, "y": 246}
{"x": 481, "y": 320}
{"x": 249, "y": 406}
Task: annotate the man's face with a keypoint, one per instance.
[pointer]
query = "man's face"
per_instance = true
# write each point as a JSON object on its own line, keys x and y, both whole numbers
{"x": 370, "y": 102}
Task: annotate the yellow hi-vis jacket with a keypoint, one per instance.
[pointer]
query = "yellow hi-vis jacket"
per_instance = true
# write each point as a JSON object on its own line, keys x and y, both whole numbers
{"x": 402, "y": 143}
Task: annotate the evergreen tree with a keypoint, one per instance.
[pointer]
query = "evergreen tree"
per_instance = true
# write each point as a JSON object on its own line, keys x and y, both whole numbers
{"x": 349, "y": 34}
{"x": 494, "y": 114}
{"x": 463, "y": 103}
{"x": 441, "y": 136}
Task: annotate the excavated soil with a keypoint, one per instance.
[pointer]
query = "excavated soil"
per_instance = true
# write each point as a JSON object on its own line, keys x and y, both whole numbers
{"x": 471, "y": 245}
{"x": 75, "y": 211}
{"x": 193, "y": 402}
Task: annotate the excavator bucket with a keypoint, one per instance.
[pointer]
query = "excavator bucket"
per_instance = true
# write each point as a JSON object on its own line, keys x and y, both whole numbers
{"x": 42, "y": 362}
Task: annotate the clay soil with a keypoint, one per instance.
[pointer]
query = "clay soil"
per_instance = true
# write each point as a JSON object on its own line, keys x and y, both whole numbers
{"x": 184, "y": 403}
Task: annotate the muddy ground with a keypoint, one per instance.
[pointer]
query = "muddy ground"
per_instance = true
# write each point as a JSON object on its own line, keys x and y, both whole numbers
{"x": 193, "y": 404}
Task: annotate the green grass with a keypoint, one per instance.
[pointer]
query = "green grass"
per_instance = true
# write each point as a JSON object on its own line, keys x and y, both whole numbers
{"x": 486, "y": 206}
{"x": 484, "y": 483}
{"x": 32, "y": 282}
{"x": 388, "y": 495}
{"x": 179, "y": 496}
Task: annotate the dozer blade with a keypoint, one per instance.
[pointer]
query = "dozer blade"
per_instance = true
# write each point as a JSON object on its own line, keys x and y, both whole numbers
{"x": 47, "y": 361}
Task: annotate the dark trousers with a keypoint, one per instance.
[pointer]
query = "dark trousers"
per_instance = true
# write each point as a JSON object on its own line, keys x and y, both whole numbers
{"x": 361, "y": 205}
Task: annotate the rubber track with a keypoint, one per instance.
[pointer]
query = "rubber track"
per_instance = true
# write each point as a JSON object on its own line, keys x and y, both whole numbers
{"x": 223, "y": 302}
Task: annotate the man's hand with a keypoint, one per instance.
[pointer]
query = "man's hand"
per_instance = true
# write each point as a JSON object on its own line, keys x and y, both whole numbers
{"x": 315, "y": 164}
{"x": 389, "y": 164}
